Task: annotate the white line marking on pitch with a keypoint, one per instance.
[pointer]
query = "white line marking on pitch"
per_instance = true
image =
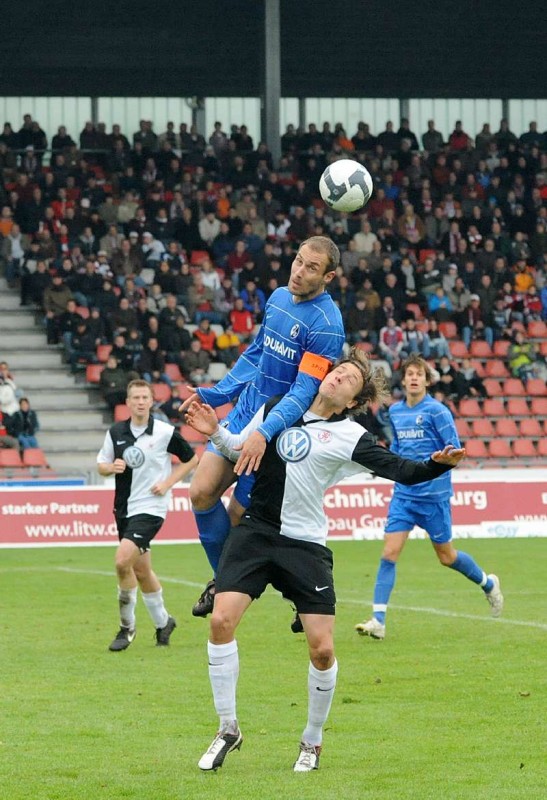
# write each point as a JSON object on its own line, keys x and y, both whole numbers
{"x": 347, "y": 601}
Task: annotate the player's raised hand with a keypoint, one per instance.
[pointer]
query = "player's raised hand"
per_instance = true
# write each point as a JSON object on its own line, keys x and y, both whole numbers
{"x": 450, "y": 456}
{"x": 194, "y": 398}
{"x": 251, "y": 454}
{"x": 202, "y": 418}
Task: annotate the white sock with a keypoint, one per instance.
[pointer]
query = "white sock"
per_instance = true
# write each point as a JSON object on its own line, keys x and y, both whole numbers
{"x": 127, "y": 600}
{"x": 223, "y": 674}
{"x": 321, "y": 686}
{"x": 154, "y": 603}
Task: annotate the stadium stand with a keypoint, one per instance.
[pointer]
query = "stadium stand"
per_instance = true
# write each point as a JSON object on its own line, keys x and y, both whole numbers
{"x": 118, "y": 251}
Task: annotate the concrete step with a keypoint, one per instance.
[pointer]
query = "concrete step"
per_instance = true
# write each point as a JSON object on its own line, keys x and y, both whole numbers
{"x": 76, "y": 419}
{"x": 71, "y": 441}
{"x": 37, "y": 359}
{"x": 71, "y": 463}
{"x": 61, "y": 400}
{"x": 40, "y": 379}
{"x": 23, "y": 340}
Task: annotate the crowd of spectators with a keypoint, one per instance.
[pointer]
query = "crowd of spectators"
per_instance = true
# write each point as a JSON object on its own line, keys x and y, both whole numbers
{"x": 168, "y": 246}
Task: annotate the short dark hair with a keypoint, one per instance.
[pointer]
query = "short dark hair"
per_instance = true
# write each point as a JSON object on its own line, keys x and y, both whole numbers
{"x": 324, "y": 245}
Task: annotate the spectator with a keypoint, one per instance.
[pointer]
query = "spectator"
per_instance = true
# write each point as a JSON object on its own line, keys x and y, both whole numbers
{"x": 254, "y": 300}
{"x": 152, "y": 363}
{"x": 123, "y": 356}
{"x": 390, "y": 342}
{"x": 432, "y": 140}
{"x": 446, "y": 378}
{"x": 241, "y": 321}
{"x": 467, "y": 382}
{"x": 414, "y": 340}
{"x": 439, "y": 305}
{"x": 207, "y": 337}
{"x": 438, "y": 345}
{"x": 82, "y": 347}
{"x": 6, "y": 440}
{"x": 113, "y": 382}
{"x": 476, "y": 326}
{"x": 227, "y": 346}
{"x": 522, "y": 357}
{"x": 56, "y": 298}
{"x": 196, "y": 363}
{"x": 360, "y": 323}
{"x": 365, "y": 238}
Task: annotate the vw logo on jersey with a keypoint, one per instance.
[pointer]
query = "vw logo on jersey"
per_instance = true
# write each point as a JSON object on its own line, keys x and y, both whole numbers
{"x": 133, "y": 457}
{"x": 419, "y": 419}
{"x": 293, "y": 444}
{"x": 295, "y": 330}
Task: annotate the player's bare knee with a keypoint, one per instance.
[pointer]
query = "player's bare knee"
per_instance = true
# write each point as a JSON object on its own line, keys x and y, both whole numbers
{"x": 201, "y": 497}
{"x": 123, "y": 566}
{"x": 322, "y": 655}
{"x": 446, "y": 559}
{"x": 221, "y": 627}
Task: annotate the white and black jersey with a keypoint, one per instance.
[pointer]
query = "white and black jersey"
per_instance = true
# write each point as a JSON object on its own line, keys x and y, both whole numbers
{"x": 147, "y": 453}
{"x": 301, "y": 463}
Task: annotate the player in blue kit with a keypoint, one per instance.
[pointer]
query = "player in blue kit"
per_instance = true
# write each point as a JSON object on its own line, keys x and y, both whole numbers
{"x": 420, "y": 426}
{"x": 301, "y": 335}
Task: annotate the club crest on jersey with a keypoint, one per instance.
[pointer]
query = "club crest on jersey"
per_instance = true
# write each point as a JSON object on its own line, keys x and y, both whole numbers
{"x": 419, "y": 419}
{"x": 293, "y": 444}
{"x": 295, "y": 330}
{"x": 325, "y": 436}
{"x": 133, "y": 457}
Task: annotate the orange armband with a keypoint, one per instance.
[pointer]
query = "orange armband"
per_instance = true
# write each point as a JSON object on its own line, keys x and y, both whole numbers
{"x": 315, "y": 366}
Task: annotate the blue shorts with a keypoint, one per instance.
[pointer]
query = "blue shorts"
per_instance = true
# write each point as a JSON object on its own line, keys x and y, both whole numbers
{"x": 434, "y": 517}
{"x": 235, "y": 422}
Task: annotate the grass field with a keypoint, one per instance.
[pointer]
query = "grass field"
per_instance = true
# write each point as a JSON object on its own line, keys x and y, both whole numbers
{"x": 451, "y": 705}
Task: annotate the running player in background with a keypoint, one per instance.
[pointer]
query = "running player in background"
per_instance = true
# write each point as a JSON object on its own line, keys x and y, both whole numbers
{"x": 420, "y": 425}
{"x": 282, "y": 537}
{"x": 138, "y": 452}
{"x": 301, "y": 335}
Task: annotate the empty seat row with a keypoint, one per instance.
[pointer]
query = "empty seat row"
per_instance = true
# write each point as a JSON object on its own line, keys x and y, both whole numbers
{"x": 31, "y": 457}
{"x": 495, "y": 407}
{"x": 530, "y": 428}
{"x": 504, "y": 448}
{"x": 514, "y": 387}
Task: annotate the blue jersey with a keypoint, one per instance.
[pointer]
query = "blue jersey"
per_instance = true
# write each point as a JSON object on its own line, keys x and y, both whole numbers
{"x": 417, "y": 433}
{"x": 270, "y": 365}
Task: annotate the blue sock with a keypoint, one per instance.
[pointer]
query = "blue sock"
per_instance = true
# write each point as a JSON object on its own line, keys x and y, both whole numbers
{"x": 467, "y": 565}
{"x": 214, "y": 527}
{"x": 385, "y": 581}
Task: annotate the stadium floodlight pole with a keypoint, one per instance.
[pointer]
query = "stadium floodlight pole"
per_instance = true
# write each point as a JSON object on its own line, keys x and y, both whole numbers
{"x": 271, "y": 88}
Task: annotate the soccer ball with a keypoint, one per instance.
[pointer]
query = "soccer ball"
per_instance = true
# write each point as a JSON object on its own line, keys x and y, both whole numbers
{"x": 345, "y": 185}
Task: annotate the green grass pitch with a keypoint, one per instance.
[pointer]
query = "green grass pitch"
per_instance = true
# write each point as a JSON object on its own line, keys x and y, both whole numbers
{"x": 452, "y": 705}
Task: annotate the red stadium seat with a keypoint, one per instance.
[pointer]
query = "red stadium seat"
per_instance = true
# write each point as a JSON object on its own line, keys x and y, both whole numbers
{"x": 103, "y": 351}
{"x": 538, "y": 407}
{"x": 500, "y": 448}
{"x": 83, "y": 311}
{"x": 426, "y": 252}
{"x": 542, "y": 447}
{"x": 537, "y": 329}
{"x": 458, "y": 349}
{"x": 493, "y": 408}
{"x": 494, "y": 368}
{"x": 197, "y": 257}
{"x": 121, "y": 412}
{"x": 449, "y": 329}
{"x": 9, "y": 457}
{"x": 93, "y": 373}
{"x": 524, "y": 448}
{"x": 192, "y": 436}
{"x": 536, "y": 387}
{"x": 34, "y": 457}
{"x": 161, "y": 392}
{"x": 530, "y": 427}
{"x": 366, "y": 347}
{"x": 493, "y": 387}
{"x": 482, "y": 428}
{"x": 416, "y": 310}
{"x": 173, "y": 371}
{"x": 476, "y": 448}
{"x": 470, "y": 408}
{"x": 462, "y": 426}
{"x": 517, "y": 407}
{"x": 184, "y": 392}
{"x": 478, "y": 367}
{"x": 543, "y": 349}
{"x": 223, "y": 410}
{"x": 514, "y": 387}
{"x": 501, "y": 348}
{"x": 507, "y": 427}
{"x": 480, "y": 349}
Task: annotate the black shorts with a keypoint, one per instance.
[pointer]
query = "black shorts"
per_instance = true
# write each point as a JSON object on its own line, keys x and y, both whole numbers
{"x": 256, "y": 554}
{"x": 139, "y": 529}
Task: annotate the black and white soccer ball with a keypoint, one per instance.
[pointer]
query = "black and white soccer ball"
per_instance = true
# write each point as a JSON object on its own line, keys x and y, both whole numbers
{"x": 346, "y": 185}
